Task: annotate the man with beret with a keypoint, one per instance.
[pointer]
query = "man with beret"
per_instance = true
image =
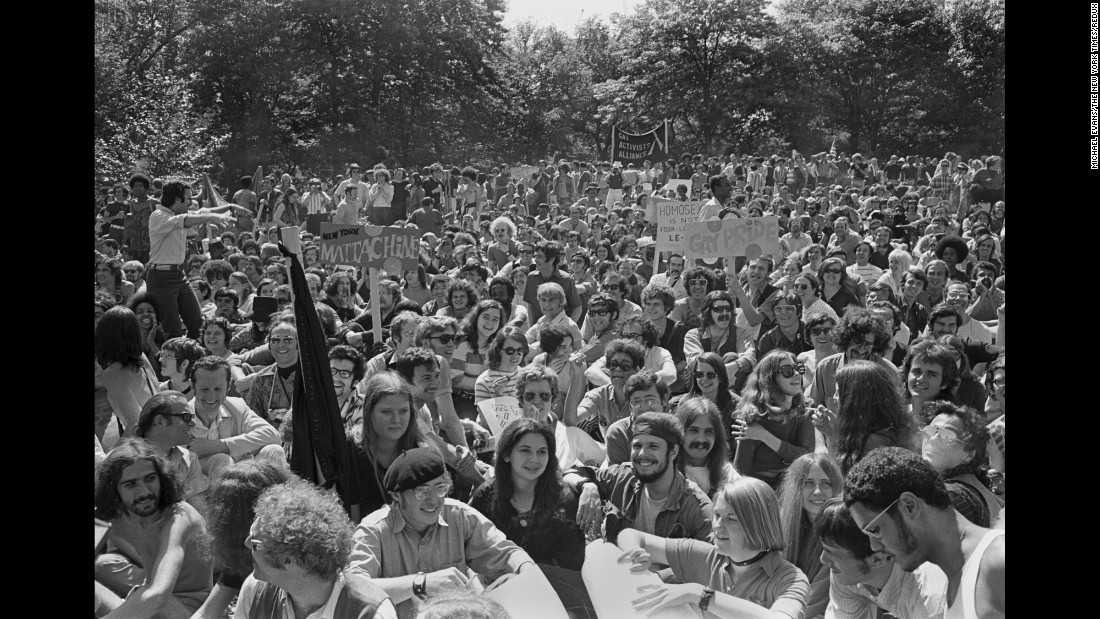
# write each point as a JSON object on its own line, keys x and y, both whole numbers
{"x": 423, "y": 543}
{"x": 648, "y": 493}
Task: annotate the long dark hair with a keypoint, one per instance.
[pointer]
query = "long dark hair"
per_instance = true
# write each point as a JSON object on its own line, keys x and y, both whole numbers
{"x": 469, "y": 326}
{"x": 725, "y": 398}
{"x": 869, "y": 401}
{"x": 118, "y": 338}
{"x": 129, "y": 451}
{"x": 687, "y": 412}
{"x": 762, "y": 388}
{"x": 548, "y": 487}
{"x": 232, "y": 501}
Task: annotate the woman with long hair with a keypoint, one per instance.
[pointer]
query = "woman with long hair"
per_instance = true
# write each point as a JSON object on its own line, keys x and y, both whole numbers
{"x": 340, "y": 296}
{"x": 704, "y": 457}
{"x": 506, "y": 354}
{"x": 390, "y": 426}
{"x": 710, "y": 380}
{"x": 232, "y": 501}
{"x": 239, "y": 282}
{"x": 471, "y": 358}
{"x": 108, "y": 278}
{"x": 602, "y": 254}
{"x": 928, "y": 373}
{"x": 266, "y": 288}
{"x": 416, "y": 285}
{"x": 898, "y": 262}
{"x": 744, "y": 566}
{"x": 810, "y": 481}
{"x": 819, "y": 332}
{"x": 807, "y": 286}
{"x": 837, "y": 288}
{"x": 970, "y": 391}
{"x": 772, "y": 427}
{"x": 870, "y": 414}
{"x": 127, "y": 374}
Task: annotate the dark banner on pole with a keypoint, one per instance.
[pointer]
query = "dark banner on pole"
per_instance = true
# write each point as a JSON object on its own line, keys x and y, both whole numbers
{"x": 636, "y": 148}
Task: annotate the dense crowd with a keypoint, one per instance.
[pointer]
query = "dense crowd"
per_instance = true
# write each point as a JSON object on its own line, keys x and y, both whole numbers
{"x": 815, "y": 433}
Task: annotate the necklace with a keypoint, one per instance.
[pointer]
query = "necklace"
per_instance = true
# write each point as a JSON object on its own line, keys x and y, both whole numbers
{"x": 759, "y": 556}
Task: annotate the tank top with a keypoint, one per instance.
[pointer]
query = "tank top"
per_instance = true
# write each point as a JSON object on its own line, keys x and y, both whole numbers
{"x": 965, "y": 606}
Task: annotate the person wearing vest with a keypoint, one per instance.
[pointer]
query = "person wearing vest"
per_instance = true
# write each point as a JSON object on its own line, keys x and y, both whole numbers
{"x": 301, "y": 543}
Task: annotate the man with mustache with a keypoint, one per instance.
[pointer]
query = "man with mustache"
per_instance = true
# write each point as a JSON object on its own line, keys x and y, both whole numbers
{"x": 160, "y": 564}
{"x": 648, "y": 493}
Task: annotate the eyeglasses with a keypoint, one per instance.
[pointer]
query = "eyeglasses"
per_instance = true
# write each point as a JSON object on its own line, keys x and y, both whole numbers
{"x": 958, "y": 295}
{"x": 131, "y": 271}
{"x": 646, "y": 401}
{"x": 447, "y": 338}
{"x": 599, "y": 312}
{"x": 697, "y": 282}
{"x": 831, "y": 271}
{"x": 820, "y": 330}
{"x": 625, "y": 366}
{"x": 441, "y": 491}
{"x": 788, "y": 371}
{"x": 345, "y": 374}
{"x": 803, "y": 286}
{"x": 526, "y": 252}
{"x": 631, "y": 336}
{"x": 529, "y": 396}
{"x": 723, "y": 309}
{"x": 999, "y": 383}
{"x": 185, "y": 417}
{"x": 866, "y": 529}
{"x": 786, "y": 309}
{"x": 513, "y": 350}
{"x": 947, "y": 435}
{"x": 706, "y": 375}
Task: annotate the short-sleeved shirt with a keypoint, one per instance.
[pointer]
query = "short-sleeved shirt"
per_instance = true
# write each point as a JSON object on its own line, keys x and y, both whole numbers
{"x": 530, "y": 295}
{"x": 773, "y": 582}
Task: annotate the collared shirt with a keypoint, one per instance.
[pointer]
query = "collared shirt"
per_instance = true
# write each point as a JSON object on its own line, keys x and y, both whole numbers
{"x": 920, "y": 594}
{"x": 772, "y": 582}
{"x": 243, "y": 431}
{"x": 462, "y": 537}
{"x": 601, "y": 401}
{"x": 261, "y": 600}
{"x": 168, "y": 236}
{"x": 189, "y": 471}
{"x": 678, "y": 290}
{"x": 687, "y": 513}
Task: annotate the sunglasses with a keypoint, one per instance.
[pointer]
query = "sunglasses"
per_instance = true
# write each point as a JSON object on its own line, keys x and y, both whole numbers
{"x": 706, "y": 375}
{"x": 599, "y": 312}
{"x": 788, "y": 371}
{"x": 512, "y": 350}
{"x": 947, "y": 435}
{"x": 186, "y": 417}
{"x": 530, "y": 396}
{"x": 725, "y": 309}
{"x": 447, "y": 339}
{"x": 831, "y": 271}
{"x": 820, "y": 330}
{"x": 625, "y": 366}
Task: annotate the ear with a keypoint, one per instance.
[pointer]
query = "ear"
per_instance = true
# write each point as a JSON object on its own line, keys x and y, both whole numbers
{"x": 876, "y": 560}
{"x": 910, "y": 506}
{"x": 160, "y": 420}
{"x": 184, "y": 365}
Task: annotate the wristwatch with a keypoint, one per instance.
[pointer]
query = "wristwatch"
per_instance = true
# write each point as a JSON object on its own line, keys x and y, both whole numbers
{"x": 704, "y": 600}
{"x": 420, "y": 582}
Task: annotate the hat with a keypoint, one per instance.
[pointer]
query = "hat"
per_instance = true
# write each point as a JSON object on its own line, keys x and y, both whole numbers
{"x": 412, "y": 468}
{"x": 593, "y": 186}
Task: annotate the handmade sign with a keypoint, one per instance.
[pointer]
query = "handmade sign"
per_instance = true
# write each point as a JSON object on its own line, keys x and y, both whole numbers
{"x": 391, "y": 249}
{"x": 613, "y": 587}
{"x": 672, "y": 216}
{"x": 499, "y": 412}
{"x": 726, "y": 238}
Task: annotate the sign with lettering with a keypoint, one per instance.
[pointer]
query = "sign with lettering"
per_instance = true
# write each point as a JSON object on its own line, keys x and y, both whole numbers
{"x": 637, "y": 148}
{"x": 726, "y": 238}
{"x": 672, "y": 216}
{"x": 392, "y": 249}
{"x": 499, "y": 412}
{"x": 523, "y": 172}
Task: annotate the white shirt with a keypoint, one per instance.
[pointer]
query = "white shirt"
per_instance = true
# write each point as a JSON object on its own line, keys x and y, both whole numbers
{"x": 168, "y": 236}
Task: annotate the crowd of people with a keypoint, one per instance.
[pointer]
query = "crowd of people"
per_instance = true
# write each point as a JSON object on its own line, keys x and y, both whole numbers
{"x": 816, "y": 433}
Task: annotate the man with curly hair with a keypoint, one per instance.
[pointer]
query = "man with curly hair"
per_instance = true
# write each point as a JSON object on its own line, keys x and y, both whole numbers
{"x": 157, "y": 557}
{"x": 901, "y": 504}
{"x": 301, "y": 546}
{"x": 859, "y": 337}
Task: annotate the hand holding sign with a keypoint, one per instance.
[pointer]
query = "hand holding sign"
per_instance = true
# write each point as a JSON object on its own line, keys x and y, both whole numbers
{"x": 499, "y": 412}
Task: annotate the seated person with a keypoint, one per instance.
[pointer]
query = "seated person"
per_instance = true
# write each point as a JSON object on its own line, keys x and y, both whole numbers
{"x": 177, "y": 355}
{"x": 165, "y": 423}
{"x": 390, "y": 543}
{"x": 657, "y": 359}
{"x": 644, "y": 393}
{"x": 648, "y": 493}
{"x": 301, "y": 546}
{"x": 225, "y": 428}
{"x": 161, "y": 565}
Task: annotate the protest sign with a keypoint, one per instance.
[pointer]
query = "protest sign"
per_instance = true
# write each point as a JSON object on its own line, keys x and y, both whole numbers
{"x": 499, "y": 412}
{"x": 612, "y": 585}
{"x": 523, "y": 172}
{"x": 391, "y": 249}
{"x": 726, "y": 238}
{"x": 636, "y": 148}
{"x": 672, "y": 216}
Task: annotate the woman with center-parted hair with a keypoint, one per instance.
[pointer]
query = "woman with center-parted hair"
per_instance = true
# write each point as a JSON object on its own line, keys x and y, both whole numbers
{"x": 741, "y": 574}
{"x": 506, "y": 354}
{"x": 231, "y": 509}
{"x": 127, "y": 375}
{"x": 837, "y": 288}
{"x": 709, "y": 379}
{"x": 772, "y": 427}
{"x": 389, "y": 427}
{"x": 471, "y": 358}
{"x": 808, "y": 484}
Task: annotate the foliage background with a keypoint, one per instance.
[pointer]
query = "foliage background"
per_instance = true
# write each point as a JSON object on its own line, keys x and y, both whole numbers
{"x": 221, "y": 86}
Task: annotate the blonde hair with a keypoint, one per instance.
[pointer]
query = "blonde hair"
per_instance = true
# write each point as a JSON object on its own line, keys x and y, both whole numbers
{"x": 757, "y": 509}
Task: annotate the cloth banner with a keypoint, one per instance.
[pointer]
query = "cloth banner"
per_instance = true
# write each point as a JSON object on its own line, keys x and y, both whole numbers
{"x": 391, "y": 249}
{"x": 726, "y": 238}
{"x": 636, "y": 148}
